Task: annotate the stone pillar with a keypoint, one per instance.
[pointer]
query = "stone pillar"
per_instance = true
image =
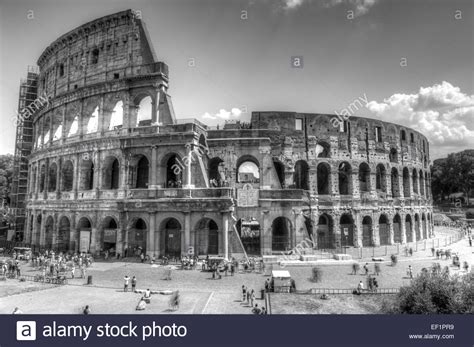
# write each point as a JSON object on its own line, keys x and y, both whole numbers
{"x": 391, "y": 232}
{"x": 355, "y": 183}
{"x": 157, "y": 239}
{"x": 55, "y": 231}
{"x": 58, "y": 177}
{"x": 97, "y": 170}
{"x": 42, "y": 229}
{"x": 403, "y": 228}
{"x": 153, "y": 168}
{"x": 357, "y": 230}
{"x": 101, "y": 117}
{"x": 225, "y": 224}
{"x": 289, "y": 177}
{"x": 337, "y": 229}
{"x": 313, "y": 181}
{"x": 266, "y": 233}
{"x": 150, "y": 245}
{"x": 94, "y": 234}
{"x": 63, "y": 116}
{"x": 375, "y": 233}
{"x": 46, "y": 180}
{"x": 188, "y": 163}
{"x": 187, "y": 232}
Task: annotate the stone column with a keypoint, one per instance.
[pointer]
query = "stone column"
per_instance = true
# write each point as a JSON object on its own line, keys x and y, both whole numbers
{"x": 150, "y": 245}
{"x": 76, "y": 179}
{"x": 187, "y": 232}
{"x": 375, "y": 233}
{"x": 403, "y": 228}
{"x": 188, "y": 163}
{"x": 358, "y": 229}
{"x": 42, "y": 229}
{"x": 58, "y": 178}
{"x": 153, "y": 169}
{"x": 97, "y": 170}
{"x": 391, "y": 231}
{"x": 225, "y": 223}
{"x": 55, "y": 231}
{"x": 46, "y": 180}
{"x": 337, "y": 229}
{"x": 355, "y": 183}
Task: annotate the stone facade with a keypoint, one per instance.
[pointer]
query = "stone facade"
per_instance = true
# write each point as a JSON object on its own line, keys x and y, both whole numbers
{"x": 112, "y": 167}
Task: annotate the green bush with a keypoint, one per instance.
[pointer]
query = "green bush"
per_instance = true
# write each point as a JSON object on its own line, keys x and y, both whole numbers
{"x": 316, "y": 274}
{"x": 435, "y": 293}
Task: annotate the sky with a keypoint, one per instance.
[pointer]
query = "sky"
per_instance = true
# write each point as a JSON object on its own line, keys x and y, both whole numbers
{"x": 411, "y": 60}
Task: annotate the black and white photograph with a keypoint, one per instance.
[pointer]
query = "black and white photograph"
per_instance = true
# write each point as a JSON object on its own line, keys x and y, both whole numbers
{"x": 244, "y": 157}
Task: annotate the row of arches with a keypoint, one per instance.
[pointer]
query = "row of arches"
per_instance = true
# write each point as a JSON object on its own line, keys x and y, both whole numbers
{"x": 94, "y": 119}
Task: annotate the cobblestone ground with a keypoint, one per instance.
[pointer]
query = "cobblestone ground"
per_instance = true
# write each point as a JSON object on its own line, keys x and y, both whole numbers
{"x": 200, "y": 294}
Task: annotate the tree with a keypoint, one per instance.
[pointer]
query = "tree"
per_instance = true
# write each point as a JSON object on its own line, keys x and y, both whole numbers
{"x": 436, "y": 292}
{"x": 6, "y": 173}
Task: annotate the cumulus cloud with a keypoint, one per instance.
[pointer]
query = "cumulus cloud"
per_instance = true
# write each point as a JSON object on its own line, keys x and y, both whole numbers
{"x": 360, "y": 7}
{"x": 291, "y": 4}
{"x": 223, "y": 114}
{"x": 443, "y": 113}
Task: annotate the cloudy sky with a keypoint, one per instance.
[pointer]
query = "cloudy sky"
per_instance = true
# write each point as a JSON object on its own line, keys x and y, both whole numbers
{"x": 411, "y": 59}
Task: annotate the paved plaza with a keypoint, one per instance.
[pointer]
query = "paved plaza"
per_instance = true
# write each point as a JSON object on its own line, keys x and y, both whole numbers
{"x": 200, "y": 294}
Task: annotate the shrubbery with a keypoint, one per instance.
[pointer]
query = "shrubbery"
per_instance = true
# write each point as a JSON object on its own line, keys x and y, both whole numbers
{"x": 435, "y": 292}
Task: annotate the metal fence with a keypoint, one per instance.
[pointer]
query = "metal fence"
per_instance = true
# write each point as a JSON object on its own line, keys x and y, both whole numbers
{"x": 384, "y": 251}
{"x": 348, "y": 291}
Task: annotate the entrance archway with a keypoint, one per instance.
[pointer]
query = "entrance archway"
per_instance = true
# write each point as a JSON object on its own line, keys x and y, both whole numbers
{"x": 206, "y": 237}
{"x": 367, "y": 232}
{"x": 397, "y": 229}
{"x": 347, "y": 230}
{"x": 384, "y": 230}
{"x": 48, "y": 233}
{"x": 326, "y": 237}
{"x": 63, "y": 234}
{"x": 108, "y": 236}
{"x": 171, "y": 231}
{"x": 249, "y": 232}
{"x": 423, "y": 223}
{"x": 408, "y": 228}
{"x": 281, "y": 230}
{"x": 137, "y": 237}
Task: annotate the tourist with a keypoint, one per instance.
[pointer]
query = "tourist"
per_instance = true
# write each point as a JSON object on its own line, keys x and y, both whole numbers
{"x": 17, "y": 311}
{"x": 73, "y": 270}
{"x": 134, "y": 283}
{"x": 410, "y": 271}
{"x": 267, "y": 285}
{"x": 232, "y": 269}
{"x": 126, "y": 280}
{"x": 142, "y": 257}
{"x": 141, "y": 305}
{"x": 252, "y": 297}
{"x": 256, "y": 310}
{"x": 147, "y": 296}
{"x": 86, "y": 310}
{"x": 470, "y": 241}
{"x": 244, "y": 293}
{"x": 366, "y": 268}
{"x": 410, "y": 251}
{"x": 248, "y": 297}
{"x": 376, "y": 284}
{"x": 360, "y": 287}
{"x": 432, "y": 251}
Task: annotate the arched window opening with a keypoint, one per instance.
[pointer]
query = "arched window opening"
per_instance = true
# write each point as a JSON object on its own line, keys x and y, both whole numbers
{"x": 248, "y": 172}
{"x": 323, "y": 174}
{"x": 144, "y": 115}
{"x": 116, "y": 119}
{"x": 345, "y": 178}
{"x": 142, "y": 173}
{"x": 300, "y": 176}
{"x": 364, "y": 177}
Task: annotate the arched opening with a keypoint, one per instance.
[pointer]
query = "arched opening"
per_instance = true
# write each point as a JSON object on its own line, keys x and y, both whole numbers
{"x": 67, "y": 176}
{"x": 93, "y": 123}
{"x": 108, "y": 236}
{"x": 345, "y": 178}
{"x": 33, "y": 180}
{"x": 422, "y": 183}
{"x": 142, "y": 173}
{"x": 52, "y": 177}
{"x": 367, "y": 232}
{"x": 408, "y": 228}
{"x": 395, "y": 183}
{"x": 116, "y": 119}
{"x": 171, "y": 231}
{"x": 423, "y": 225}
{"x": 217, "y": 176}
{"x": 174, "y": 172}
{"x": 406, "y": 183}
{"x": 248, "y": 170}
{"x": 427, "y": 187}
{"x": 281, "y": 230}
{"x": 417, "y": 227}
{"x": 111, "y": 173}
{"x": 74, "y": 128}
{"x": 300, "y": 176}
{"x": 249, "y": 232}
{"x": 47, "y": 130}
{"x": 280, "y": 171}
{"x": 144, "y": 111}
{"x": 403, "y": 135}
{"x": 364, "y": 177}
{"x": 347, "y": 230}
{"x": 48, "y": 233}
{"x": 58, "y": 133}
{"x": 415, "y": 181}
{"x": 384, "y": 230}
{"x": 323, "y": 149}
{"x": 380, "y": 180}
{"x": 37, "y": 237}
{"x": 393, "y": 156}
{"x": 206, "y": 237}
{"x": 42, "y": 178}
{"x": 137, "y": 237}
{"x": 64, "y": 232}
{"x": 326, "y": 237}
{"x": 83, "y": 237}
{"x": 87, "y": 175}
{"x": 323, "y": 174}
{"x": 397, "y": 229}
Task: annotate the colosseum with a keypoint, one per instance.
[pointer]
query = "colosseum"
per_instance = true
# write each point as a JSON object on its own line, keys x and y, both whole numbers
{"x": 113, "y": 168}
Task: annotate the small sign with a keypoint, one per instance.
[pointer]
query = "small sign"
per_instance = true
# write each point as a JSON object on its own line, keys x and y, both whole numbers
{"x": 247, "y": 196}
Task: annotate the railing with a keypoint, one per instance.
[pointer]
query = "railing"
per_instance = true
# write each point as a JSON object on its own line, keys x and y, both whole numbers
{"x": 348, "y": 291}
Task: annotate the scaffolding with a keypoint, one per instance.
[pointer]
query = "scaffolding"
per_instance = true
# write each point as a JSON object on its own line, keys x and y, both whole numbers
{"x": 23, "y": 147}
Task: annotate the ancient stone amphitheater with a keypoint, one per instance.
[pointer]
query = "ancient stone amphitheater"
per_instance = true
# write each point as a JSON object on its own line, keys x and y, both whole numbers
{"x": 114, "y": 169}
